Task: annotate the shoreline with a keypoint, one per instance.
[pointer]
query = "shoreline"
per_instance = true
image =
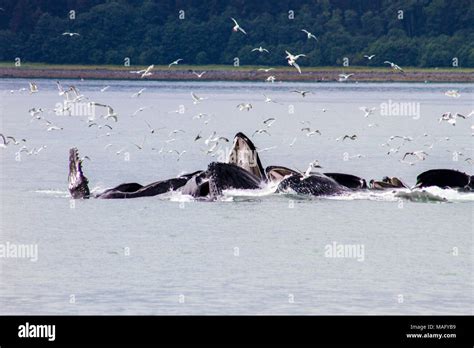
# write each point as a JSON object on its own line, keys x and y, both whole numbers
{"x": 245, "y": 73}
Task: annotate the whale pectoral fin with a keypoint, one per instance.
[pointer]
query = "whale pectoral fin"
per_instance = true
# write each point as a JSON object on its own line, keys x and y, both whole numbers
{"x": 78, "y": 183}
{"x": 223, "y": 176}
{"x": 444, "y": 178}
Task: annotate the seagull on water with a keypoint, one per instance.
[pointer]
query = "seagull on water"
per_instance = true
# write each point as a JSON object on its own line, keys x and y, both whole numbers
{"x": 453, "y": 93}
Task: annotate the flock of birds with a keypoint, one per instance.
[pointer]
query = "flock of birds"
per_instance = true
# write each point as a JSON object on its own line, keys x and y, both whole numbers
{"x": 72, "y": 96}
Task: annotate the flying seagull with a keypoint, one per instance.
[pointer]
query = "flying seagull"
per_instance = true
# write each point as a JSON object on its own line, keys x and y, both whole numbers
{"x": 260, "y": 49}
{"x": 394, "y": 66}
{"x": 237, "y": 27}
{"x": 176, "y": 62}
{"x": 309, "y": 35}
{"x": 71, "y": 34}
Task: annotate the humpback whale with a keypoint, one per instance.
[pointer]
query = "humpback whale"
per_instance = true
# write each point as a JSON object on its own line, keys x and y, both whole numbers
{"x": 445, "y": 178}
{"x": 386, "y": 183}
{"x": 243, "y": 170}
{"x": 316, "y": 184}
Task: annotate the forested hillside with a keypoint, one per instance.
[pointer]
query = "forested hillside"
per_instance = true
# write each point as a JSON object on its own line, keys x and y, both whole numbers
{"x": 429, "y": 34}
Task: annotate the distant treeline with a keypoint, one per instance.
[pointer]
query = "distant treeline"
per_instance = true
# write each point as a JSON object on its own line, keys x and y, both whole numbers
{"x": 419, "y": 33}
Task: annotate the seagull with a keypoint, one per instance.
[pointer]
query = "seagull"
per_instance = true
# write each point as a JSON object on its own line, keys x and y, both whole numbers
{"x": 369, "y": 57}
{"x": 5, "y": 142}
{"x": 139, "y": 110}
{"x": 237, "y": 27}
{"x": 34, "y": 112}
{"x": 453, "y": 93}
{"x": 269, "y": 121}
{"x": 144, "y": 72}
{"x": 139, "y": 93}
{"x": 260, "y": 49}
{"x": 200, "y": 115}
{"x": 140, "y": 147}
{"x": 196, "y": 99}
{"x": 60, "y": 88}
{"x": 198, "y": 136}
{"x": 176, "y": 62}
{"x": 261, "y": 131}
{"x": 266, "y": 69}
{"x": 303, "y": 93}
{"x": 110, "y": 112}
{"x": 368, "y": 111}
{"x": 33, "y": 87}
{"x": 77, "y": 95}
{"x": 292, "y": 142}
{"x": 244, "y": 106}
{"x": 352, "y": 137}
{"x": 175, "y": 131}
{"x": 152, "y": 130}
{"x": 292, "y": 57}
{"x": 179, "y": 153}
{"x": 199, "y": 75}
{"x": 421, "y": 155}
{"x": 344, "y": 77}
{"x": 450, "y": 118}
{"x": 309, "y": 35}
{"x": 270, "y": 78}
{"x": 52, "y": 127}
{"x": 104, "y": 89}
{"x": 394, "y": 66}
{"x": 100, "y": 126}
{"x": 268, "y": 99}
{"x": 12, "y": 140}
{"x": 214, "y": 138}
{"x": 312, "y": 165}
{"x": 405, "y": 138}
{"x": 310, "y": 132}
{"x": 70, "y": 34}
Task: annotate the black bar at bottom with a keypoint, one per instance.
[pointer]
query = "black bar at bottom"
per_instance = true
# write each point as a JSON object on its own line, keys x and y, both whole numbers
{"x": 272, "y": 330}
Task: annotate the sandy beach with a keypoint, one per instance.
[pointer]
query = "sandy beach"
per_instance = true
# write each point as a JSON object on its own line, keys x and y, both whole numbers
{"x": 245, "y": 73}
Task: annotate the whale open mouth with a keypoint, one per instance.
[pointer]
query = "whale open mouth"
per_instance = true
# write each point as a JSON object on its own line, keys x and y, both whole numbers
{"x": 78, "y": 183}
{"x": 244, "y": 155}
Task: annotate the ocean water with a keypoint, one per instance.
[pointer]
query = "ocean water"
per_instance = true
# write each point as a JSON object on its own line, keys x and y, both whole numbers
{"x": 249, "y": 252}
